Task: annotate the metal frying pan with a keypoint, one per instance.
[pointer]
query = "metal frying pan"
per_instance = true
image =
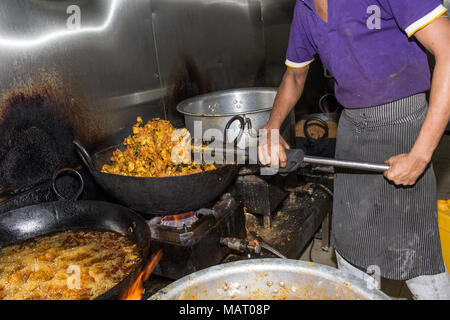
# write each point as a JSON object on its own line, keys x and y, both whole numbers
{"x": 160, "y": 196}
{"x": 51, "y": 217}
{"x": 173, "y": 195}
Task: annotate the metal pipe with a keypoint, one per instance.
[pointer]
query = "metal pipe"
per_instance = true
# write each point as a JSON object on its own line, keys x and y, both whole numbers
{"x": 272, "y": 250}
{"x": 347, "y": 164}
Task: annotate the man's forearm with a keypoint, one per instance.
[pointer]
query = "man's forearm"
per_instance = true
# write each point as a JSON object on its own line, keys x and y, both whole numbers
{"x": 289, "y": 93}
{"x": 438, "y": 114}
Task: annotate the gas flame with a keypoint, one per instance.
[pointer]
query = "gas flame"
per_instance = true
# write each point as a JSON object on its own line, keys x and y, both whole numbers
{"x": 136, "y": 290}
{"x": 179, "y": 220}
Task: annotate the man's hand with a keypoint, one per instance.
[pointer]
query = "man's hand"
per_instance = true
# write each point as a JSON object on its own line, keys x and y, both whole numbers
{"x": 405, "y": 169}
{"x": 271, "y": 149}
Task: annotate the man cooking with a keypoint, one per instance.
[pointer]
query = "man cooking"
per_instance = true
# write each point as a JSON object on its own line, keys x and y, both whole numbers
{"x": 376, "y": 50}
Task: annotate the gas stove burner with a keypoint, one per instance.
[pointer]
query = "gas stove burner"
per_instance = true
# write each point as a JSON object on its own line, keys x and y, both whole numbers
{"x": 191, "y": 241}
{"x": 183, "y": 220}
{"x": 183, "y": 227}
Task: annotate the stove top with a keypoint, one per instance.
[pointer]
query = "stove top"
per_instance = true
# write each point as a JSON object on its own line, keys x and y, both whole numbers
{"x": 192, "y": 245}
{"x": 191, "y": 241}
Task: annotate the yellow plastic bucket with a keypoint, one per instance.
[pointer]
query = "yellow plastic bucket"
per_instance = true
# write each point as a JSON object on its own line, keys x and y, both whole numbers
{"x": 444, "y": 229}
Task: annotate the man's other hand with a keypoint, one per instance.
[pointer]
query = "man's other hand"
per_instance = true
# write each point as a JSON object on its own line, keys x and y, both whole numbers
{"x": 405, "y": 169}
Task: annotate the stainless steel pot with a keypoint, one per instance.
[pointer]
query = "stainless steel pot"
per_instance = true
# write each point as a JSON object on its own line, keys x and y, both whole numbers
{"x": 215, "y": 110}
{"x": 269, "y": 279}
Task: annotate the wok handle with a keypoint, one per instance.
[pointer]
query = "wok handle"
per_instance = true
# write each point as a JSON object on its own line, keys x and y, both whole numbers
{"x": 64, "y": 172}
{"x": 297, "y": 156}
{"x": 84, "y": 155}
{"x": 374, "y": 167}
{"x": 294, "y": 160}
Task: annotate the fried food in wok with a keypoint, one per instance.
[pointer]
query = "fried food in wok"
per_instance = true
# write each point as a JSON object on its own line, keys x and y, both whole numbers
{"x": 71, "y": 265}
{"x": 149, "y": 152}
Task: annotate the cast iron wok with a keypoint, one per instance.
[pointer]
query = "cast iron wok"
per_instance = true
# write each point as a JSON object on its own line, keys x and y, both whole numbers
{"x": 64, "y": 215}
{"x": 52, "y": 217}
{"x": 159, "y": 196}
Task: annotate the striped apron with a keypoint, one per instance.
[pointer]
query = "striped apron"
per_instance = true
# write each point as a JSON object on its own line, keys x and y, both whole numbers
{"x": 376, "y": 223}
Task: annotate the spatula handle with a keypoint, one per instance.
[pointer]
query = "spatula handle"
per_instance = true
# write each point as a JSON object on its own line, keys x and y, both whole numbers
{"x": 366, "y": 166}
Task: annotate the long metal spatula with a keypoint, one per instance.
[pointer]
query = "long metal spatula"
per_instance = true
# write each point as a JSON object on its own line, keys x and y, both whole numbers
{"x": 297, "y": 156}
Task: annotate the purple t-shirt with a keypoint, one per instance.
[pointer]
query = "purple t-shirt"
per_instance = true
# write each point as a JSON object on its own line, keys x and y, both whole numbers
{"x": 367, "y": 45}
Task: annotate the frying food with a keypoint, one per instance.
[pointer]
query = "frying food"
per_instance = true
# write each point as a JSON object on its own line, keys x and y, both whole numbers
{"x": 71, "y": 265}
{"x": 149, "y": 152}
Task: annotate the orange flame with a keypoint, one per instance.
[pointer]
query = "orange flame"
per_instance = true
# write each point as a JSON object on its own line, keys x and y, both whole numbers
{"x": 136, "y": 290}
{"x": 178, "y": 220}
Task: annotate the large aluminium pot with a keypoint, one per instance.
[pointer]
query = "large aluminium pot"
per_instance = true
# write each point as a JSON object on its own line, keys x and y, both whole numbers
{"x": 269, "y": 279}
{"x": 215, "y": 110}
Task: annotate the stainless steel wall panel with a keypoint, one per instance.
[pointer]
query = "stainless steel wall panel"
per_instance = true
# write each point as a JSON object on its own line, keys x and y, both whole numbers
{"x": 207, "y": 45}
{"x": 109, "y": 64}
{"x": 142, "y": 57}
{"x": 276, "y": 17}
